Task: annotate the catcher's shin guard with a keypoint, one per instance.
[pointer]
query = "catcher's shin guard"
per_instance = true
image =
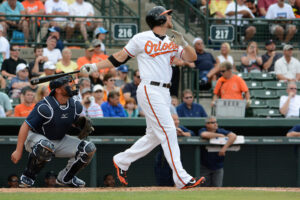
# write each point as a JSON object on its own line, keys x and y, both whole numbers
{"x": 42, "y": 152}
{"x": 84, "y": 155}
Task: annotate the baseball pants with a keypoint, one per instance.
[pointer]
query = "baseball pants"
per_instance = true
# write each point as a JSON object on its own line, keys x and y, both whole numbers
{"x": 155, "y": 102}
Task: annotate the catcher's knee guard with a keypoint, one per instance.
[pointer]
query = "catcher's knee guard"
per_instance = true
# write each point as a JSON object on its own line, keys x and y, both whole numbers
{"x": 84, "y": 155}
{"x": 42, "y": 152}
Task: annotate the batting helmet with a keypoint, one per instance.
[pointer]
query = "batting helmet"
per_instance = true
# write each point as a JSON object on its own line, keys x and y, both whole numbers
{"x": 155, "y": 16}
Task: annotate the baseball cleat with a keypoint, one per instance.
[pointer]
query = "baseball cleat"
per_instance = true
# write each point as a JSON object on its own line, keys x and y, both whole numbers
{"x": 194, "y": 182}
{"x": 25, "y": 182}
{"x": 121, "y": 174}
{"x": 74, "y": 182}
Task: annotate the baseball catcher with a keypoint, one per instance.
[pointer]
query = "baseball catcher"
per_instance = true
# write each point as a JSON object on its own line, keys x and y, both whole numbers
{"x": 45, "y": 134}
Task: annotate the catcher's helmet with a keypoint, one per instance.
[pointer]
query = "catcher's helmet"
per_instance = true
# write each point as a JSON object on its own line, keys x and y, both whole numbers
{"x": 155, "y": 16}
{"x": 56, "y": 83}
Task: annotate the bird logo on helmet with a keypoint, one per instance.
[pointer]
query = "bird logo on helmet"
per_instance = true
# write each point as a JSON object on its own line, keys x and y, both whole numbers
{"x": 156, "y": 17}
{"x": 56, "y": 83}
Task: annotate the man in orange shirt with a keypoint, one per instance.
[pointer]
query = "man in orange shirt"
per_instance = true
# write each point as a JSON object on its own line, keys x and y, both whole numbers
{"x": 99, "y": 54}
{"x": 87, "y": 59}
{"x": 35, "y": 7}
{"x": 230, "y": 86}
{"x": 23, "y": 109}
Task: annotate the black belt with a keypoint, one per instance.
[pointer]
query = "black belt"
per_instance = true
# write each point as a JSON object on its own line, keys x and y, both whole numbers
{"x": 166, "y": 85}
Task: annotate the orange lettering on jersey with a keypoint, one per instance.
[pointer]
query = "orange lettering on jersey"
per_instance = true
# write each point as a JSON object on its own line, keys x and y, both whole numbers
{"x": 154, "y": 50}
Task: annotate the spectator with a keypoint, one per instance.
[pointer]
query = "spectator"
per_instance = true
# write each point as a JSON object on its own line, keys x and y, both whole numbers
{"x": 66, "y": 64}
{"x": 82, "y": 83}
{"x": 188, "y": 108}
{"x": 252, "y": 6}
{"x": 162, "y": 170}
{"x": 95, "y": 78}
{"x": 296, "y": 7}
{"x": 98, "y": 94}
{"x": 9, "y": 65}
{"x": 41, "y": 92}
{"x": 4, "y": 46}
{"x": 50, "y": 179}
{"x": 13, "y": 7}
{"x": 129, "y": 89}
{"x": 212, "y": 163}
{"x": 53, "y": 55}
{"x": 174, "y": 101}
{"x": 20, "y": 81}
{"x": 217, "y": 8}
{"x": 225, "y": 50}
{"x": 122, "y": 76}
{"x": 57, "y": 8}
{"x": 112, "y": 108}
{"x": 100, "y": 34}
{"x": 109, "y": 86}
{"x": 88, "y": 58}
{"x": 6, "y": 109}
{"x": 205, "y": 63}
{"x": 23, "y": 109}
{"x": 251, "y": 61}
{"x": 34, "y": 7}
{"x": 13, "y": 181}
{"x": 281, "y": 10}
{"x": 131, "y": 108}
{"x": 230, "y": 86}
{"x": 270, "y": 57}
{"x": 242, "y": 11}
{"x": 294, "y": 132}
{"x": 99, "y": 54}
{"x": 2, "y": 82}
{"x": 54, "y": 31}
{"x": 83, "y": 9}
{"x": 263, "y": 6}
{"x": 90, "y": 108}
{"x": 49, "y": 69}
{"x": 289, "y": 105}
{"x": 108, "y": 180}
{"x": 287, "y": 67}
{"x": 36, "y": 66}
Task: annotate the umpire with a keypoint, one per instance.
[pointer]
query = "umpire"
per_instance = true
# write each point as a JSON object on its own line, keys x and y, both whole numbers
{"x": 44, "y": 134}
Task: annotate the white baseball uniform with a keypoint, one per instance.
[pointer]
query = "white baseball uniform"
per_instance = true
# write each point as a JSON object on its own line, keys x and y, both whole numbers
{"x": 154, "y": 58}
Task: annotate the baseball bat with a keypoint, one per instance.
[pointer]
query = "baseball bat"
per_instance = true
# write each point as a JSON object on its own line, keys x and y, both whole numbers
{"x": 51, "y": 77}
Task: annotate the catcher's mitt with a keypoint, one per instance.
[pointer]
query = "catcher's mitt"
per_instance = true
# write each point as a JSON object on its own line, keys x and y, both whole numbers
{"x": 85, "y": 126}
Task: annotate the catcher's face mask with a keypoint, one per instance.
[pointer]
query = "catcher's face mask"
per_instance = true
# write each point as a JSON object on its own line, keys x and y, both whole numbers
{"x": 69, "y": 85}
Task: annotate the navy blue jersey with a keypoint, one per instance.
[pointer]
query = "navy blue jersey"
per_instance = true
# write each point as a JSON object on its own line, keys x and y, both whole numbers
{"x": 49, "y": 119}
{"x": 212, "y": 160}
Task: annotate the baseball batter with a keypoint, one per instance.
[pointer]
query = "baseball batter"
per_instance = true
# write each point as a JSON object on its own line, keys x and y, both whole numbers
{"x": 155, "y": 52}
{"x": 44, "y": 134}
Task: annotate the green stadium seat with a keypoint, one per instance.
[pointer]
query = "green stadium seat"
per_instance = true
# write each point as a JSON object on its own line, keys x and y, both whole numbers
{"x": 15, "y": 101}
{"x": 254, "y": 85}
{"x": 244, "y": 76}
{"x": 264, "y": 94}
{"x": 258, "y": 103}
{"x": 273, "y": 103}
{"x": 262, "y": 76}
{"x": 275, "y": 85}
{"x": 281, "y": 93}
{"x": 266, "y": 112}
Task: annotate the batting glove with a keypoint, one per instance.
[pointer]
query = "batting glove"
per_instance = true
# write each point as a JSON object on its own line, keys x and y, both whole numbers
{"x": 89, "y": 68}
{"x": 178, "y": 39}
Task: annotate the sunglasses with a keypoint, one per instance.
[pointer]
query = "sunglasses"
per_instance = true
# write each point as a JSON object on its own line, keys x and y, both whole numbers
{"x": 15, "y": 49}
{"x": 222, "y": 71}
{"x": 190, "y": 97}
{"x": 97, "y": 46}
{"x": 211, "y": 122}
{"x": 112, "y": 80}
{"x": 138, "y": 76}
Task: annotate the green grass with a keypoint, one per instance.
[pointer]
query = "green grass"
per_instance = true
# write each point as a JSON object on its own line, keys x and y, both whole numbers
{"x": 157, "y": 195}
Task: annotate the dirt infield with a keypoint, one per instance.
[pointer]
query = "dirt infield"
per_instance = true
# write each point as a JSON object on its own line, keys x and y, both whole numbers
{"x": 140, "y": 189}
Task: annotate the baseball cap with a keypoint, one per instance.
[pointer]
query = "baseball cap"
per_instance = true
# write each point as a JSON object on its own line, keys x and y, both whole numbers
{"x": 123, "y": 68}
{"x": 89, "y": 47}
{"x": 196, "y": 40}
{"x": 85, "y": 90}
{"x": 96, "y": 42}
{"x": 100, "y": 30}
{"x": 268, "y": 42}
{"x": 49, "y": 65}
{"x": 287, "y": 47}
{"x": 98, "y": 87}
{"x": 20, "y": 67}
{"x": 1, "y": 27}
{"x": 54, "y": 29}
